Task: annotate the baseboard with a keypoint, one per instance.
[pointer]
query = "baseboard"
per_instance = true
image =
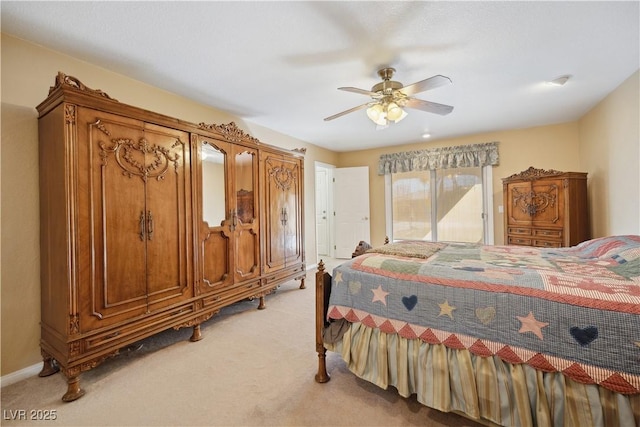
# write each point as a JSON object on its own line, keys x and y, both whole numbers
{"x": 20, "y": 375}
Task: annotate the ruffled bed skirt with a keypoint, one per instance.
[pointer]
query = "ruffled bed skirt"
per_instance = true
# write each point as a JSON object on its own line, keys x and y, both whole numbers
{"x": 481, "y": 388}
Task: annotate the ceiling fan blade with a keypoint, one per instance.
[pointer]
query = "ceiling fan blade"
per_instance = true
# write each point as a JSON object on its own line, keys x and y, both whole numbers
{"x": 351, "y": 110}
{"x": 430, "y": 83}
{"x": 360, "y": 91}
{"x": 430, "y": 107}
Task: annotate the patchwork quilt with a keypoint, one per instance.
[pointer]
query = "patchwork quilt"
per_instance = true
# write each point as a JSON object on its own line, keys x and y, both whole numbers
{"x": 571, "y": 310}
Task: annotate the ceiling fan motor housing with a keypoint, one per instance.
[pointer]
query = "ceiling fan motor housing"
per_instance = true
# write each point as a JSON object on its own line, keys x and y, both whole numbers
{"x": 386, "y": 86}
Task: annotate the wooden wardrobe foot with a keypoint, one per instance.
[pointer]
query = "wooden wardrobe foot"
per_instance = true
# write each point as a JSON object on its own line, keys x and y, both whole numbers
{"x": 262, "y": 305}
{"x": 49, "y": 367}
{"x": 73, "y": 390}
{"x": 197, "y": 334}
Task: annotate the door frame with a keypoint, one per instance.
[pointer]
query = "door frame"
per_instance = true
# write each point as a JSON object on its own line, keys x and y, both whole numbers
{"x": 330, "y": 220}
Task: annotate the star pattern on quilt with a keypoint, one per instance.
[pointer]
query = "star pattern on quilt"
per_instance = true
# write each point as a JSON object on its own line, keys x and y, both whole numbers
{"x": 339, "y": 277}
{"x": 530, "y": 324}
{"x": 379, "y": 294}
{"x": 446, "y": 309}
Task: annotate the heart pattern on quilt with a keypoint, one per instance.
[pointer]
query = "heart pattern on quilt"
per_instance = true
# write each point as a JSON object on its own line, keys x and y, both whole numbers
{"x": 584, "y": 336}
{"x": 486, "y": 315}
{"x": 354, "y": 287}
{"x": 410, "y": 302}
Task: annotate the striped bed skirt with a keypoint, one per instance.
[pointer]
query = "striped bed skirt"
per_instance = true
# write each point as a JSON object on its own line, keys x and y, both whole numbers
{"x": 486, "y": 389}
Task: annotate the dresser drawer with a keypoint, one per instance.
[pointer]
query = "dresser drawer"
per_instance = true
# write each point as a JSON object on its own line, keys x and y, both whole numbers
{"x": 547, "y": 243}
{"x": 522, "y": 241}
{"x": 548, "y": 234}
{"x": 520, "y": 231}
{"x": 136, "y": 330}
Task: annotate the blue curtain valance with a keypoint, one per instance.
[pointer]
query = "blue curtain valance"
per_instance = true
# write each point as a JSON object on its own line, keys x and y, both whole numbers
{"x": 461, "y": 156}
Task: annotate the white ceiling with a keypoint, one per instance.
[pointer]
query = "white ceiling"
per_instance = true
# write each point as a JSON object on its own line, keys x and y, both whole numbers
{"x": 279, "y": 64}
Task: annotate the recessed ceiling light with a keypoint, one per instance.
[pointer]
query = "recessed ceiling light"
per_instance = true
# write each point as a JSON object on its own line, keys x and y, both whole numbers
{"x": 426, "y": 135}
{"x": 559, "y": 81}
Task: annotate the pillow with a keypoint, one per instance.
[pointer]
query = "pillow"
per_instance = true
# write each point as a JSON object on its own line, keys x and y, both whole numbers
{"x": 626, "y": 247}
{"x": 409, "y": 248}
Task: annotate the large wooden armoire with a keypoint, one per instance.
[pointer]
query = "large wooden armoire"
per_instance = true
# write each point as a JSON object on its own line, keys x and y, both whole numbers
{"x": 148, "y": 222}
{"x": 545, "y": 208}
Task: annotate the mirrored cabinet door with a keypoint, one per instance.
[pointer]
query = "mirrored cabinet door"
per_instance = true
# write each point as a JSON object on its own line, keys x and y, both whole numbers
{"x": 247, "y": 242}
{"x": 214, "y": 184}
{"x": 215, "y": 212}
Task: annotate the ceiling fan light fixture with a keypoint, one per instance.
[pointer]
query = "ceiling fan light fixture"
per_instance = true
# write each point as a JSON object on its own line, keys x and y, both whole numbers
{"x": 382, "y": 120}
{"x": 375, "y": 112}
{"x": 394, "y": 112}
{"x": 402, "y": 116}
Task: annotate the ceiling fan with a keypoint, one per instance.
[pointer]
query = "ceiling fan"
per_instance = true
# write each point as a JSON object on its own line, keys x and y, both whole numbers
{"x": 389, "y": 98}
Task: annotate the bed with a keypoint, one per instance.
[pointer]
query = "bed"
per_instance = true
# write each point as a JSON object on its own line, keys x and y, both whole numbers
{"x": 505, "y": 335}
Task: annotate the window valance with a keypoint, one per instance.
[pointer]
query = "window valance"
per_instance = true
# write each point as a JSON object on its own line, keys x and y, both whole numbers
{"x": 461, "y": 156}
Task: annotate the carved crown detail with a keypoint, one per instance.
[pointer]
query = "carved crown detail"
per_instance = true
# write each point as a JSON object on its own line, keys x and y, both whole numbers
{"x": 230, "y": 131}
{"x": 64, "y": 80}
{"x": 533, "y": 173}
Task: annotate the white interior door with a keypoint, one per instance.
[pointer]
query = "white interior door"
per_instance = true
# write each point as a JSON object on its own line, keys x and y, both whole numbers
{"x": 351, "y": 208}
{"x": 322, "y": 211}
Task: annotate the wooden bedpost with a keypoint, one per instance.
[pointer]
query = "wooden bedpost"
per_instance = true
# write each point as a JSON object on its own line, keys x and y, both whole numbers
{"x": 322, "y": 292}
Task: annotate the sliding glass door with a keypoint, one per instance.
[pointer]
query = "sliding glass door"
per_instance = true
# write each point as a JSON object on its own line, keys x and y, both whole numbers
{"x": 438, "y": 205}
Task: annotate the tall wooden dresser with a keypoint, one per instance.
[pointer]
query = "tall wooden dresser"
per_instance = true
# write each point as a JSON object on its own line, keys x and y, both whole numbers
{"x": 545, "y": 208}
{"x": 148, "y": 222}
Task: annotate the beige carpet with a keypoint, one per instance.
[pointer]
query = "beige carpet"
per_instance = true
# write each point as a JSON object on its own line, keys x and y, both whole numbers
{"x": 253, "y": 368}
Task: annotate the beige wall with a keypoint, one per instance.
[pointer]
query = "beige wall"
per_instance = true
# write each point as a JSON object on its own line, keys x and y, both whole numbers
{"x": 610, "y": 152}
{"x": 28, "y": 71}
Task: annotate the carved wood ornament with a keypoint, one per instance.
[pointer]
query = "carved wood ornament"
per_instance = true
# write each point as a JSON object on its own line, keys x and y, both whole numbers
{"x": 282, "y": 176}
{"x": 532, "y": 203}
{"x": 231, "y": 132}
{"x": 125, "y": 150}
{"x": 64, "y": 80}
{"x": 532, "y": 174}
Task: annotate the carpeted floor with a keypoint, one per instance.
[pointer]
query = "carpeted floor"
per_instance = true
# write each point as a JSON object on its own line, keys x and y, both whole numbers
{"x": 253, "y": 368}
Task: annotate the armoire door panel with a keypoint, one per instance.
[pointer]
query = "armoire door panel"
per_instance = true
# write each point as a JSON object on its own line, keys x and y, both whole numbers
{"x": 247, "y": 253}
{"x": 275, "y": 255}
{"x": 292, "y": 244}
{"x": 116, "y": 284}
{"x": 518, "y": 210}
{"x": 246, "y": 219}
{"x": 548, "y": 205}
{"x": 215, "y": 248}
{"x": 214, "y": 215}
{"x": 282, "y": 199}
{"x": 167, "y": 214}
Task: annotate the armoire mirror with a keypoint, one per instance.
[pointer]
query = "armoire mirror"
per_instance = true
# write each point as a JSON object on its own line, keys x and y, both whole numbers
{"x": 244, "y": 184}
{"x": 213, "y": 185}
